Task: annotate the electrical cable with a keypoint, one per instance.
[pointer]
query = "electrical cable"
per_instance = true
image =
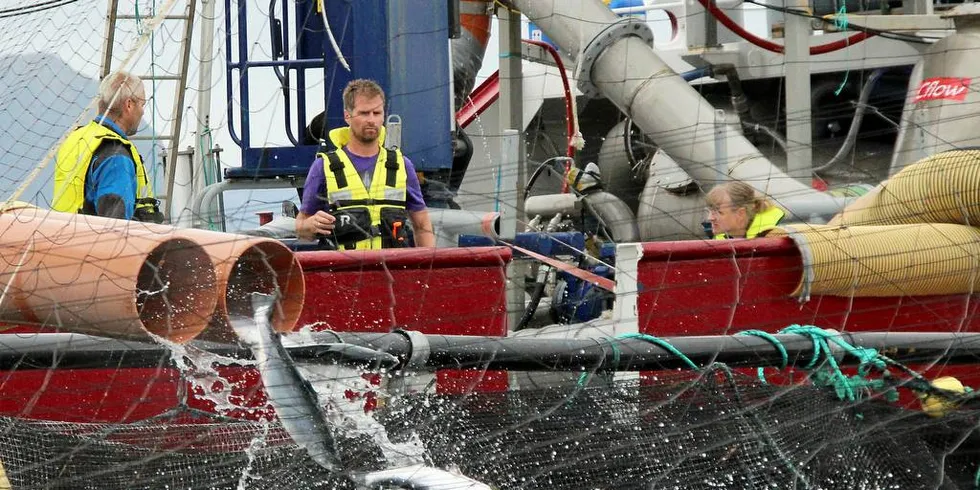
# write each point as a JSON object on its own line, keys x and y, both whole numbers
{"x": 333, "y": 41}
{"x": 31, "y": 9}
{"x": 537, "y": 172}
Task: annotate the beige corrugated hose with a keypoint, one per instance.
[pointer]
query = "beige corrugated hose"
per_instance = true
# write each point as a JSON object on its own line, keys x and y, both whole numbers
{"x": 911, "y": 235}
{"x": 943, "y": 188}
{"x": 898, "y": 260}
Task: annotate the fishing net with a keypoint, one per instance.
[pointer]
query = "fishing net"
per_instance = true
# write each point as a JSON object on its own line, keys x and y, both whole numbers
{"x": 714, "y": 429}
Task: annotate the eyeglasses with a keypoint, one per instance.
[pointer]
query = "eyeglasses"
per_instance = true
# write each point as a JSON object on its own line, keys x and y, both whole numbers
{"x": 720, "y": 210}
{"x": 141, "y": 100}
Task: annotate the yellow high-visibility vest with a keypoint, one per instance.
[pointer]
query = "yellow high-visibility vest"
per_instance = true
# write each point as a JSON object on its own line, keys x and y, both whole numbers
{"x": 72, "y": 163}
{"x": 346, "y": 191}
{"x": 761, "y": 223}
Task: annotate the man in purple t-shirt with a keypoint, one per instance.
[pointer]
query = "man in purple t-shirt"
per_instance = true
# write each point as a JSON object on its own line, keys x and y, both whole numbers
{"x": 362, "y": 142}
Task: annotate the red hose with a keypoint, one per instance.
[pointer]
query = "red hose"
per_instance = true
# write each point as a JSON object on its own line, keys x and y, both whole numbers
{"x": 771, "y": 46}
{"x": 569, "y": 116}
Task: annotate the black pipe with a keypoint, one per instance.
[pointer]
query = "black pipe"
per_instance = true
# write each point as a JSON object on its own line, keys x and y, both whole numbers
{"x": 77, "y": 351}
{"x": 415, "y": 350}
{"x": 541, "y": 354}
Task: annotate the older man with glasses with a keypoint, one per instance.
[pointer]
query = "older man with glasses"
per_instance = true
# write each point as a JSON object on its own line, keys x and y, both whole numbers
{"x": 98, "y": 169}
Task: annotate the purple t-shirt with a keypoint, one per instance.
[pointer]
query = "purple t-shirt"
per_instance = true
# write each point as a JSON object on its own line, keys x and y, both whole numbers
{"x": 316, "y": 184}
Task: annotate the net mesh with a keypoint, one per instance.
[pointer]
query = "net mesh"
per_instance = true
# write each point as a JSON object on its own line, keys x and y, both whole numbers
{"x": 715, "y": 429}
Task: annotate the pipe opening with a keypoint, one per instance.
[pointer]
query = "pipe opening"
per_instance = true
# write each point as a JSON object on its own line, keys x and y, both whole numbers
{"x": 268, "y": 268}
{"x": 176, "y": 290}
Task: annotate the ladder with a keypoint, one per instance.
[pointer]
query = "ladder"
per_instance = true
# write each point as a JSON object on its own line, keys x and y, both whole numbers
{"x": 178, "y": 78}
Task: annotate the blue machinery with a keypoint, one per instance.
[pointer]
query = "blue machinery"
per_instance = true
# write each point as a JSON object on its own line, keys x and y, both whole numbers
{"x": 402, "y": 45}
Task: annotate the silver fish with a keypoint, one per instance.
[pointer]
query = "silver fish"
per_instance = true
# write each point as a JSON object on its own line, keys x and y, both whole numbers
{"x": 419, "y": 477}
{"x": 301, "y": 415}
{"x": 290, "y": 394}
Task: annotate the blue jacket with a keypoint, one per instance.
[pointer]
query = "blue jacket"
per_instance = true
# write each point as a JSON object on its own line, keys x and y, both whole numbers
{"x": 112, "y": 172}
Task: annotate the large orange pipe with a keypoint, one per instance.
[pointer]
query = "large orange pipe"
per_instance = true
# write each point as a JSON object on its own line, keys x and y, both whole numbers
{"x": 75, "y": 277}
{"x": 242, "y": 264}
{"x": 247, "y": 265}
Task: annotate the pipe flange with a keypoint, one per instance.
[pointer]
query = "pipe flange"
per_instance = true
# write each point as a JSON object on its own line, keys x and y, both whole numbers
{"x": 627, "y": 26}
{"x": 418, "y": 356}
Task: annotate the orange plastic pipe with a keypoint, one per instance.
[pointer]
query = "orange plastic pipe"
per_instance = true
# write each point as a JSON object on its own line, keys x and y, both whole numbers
{"x": 247, "y": 265}
{"x": 75, "y": 276}
{"x": 242, "y": 265}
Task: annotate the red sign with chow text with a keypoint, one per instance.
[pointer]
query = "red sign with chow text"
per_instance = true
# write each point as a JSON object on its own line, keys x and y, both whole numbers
{"x": 938, "y": 88}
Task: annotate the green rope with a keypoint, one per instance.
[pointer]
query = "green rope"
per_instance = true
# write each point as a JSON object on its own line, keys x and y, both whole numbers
{"x": 846, "y": 387}
{"x": 824, "y": 369}
{"x": 663, "y": 344}
{"x": 841, "y": 22}
{"x": 139, "y": 19}
{"x": 776, "y": 343}
{"x": 584, "y": 377}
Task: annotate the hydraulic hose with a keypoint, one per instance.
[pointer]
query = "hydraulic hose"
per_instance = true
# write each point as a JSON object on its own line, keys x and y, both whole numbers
{"x": 774, "y": 47}
{"x": 536, "y": 295}
{"x": 740, "y": 102}
{"x": 545, "y": 165}
{"x": 569, "y": 101}
{"x": 852, "y": 132}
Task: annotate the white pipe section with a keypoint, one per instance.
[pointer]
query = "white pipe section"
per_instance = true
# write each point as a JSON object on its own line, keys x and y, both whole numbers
{"x": 449, "y": 224}
{"x": 548, "y": 205}
{"x": 631, "y": 75}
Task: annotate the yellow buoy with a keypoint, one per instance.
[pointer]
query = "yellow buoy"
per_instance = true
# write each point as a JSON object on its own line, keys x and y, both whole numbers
{"x": 938, "y": 405}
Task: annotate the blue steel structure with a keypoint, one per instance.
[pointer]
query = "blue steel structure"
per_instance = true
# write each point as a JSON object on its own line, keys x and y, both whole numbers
{"x": 403, "y": 45}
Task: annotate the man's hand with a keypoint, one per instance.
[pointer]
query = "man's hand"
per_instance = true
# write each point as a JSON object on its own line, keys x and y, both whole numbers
{"x": 307, "y": 226}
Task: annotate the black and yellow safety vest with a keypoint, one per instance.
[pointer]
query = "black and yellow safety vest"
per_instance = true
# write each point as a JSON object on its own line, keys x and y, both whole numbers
{"x": 379, "y": 211}
{"x": 761, "y": 223}
{"x": 71, "y": 169}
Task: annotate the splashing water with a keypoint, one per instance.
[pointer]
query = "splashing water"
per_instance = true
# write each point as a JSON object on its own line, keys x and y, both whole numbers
{"x": 346, "y": 413}
{"x": 198, "y": 367}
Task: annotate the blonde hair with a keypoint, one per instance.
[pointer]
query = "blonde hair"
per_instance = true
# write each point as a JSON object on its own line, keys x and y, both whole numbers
{"x": 116, "y": 89}
{"x": 741, "y": 195}
{"x": 361, "y": 86}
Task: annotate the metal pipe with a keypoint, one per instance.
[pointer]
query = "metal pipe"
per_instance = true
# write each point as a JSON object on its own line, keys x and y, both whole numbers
{"x": 229, "y": 70}
{"x": 243, "y": 96}
{"x": 449, "y": 224}
{"x": 631, "y": 75}
{"x": 614, "y": 215}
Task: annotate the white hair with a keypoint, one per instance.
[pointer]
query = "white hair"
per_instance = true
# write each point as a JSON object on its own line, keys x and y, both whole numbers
{"x": 116, "y": 89}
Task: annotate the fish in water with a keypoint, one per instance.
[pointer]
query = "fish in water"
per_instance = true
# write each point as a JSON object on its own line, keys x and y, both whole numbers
{"x": 294, "y": 400}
